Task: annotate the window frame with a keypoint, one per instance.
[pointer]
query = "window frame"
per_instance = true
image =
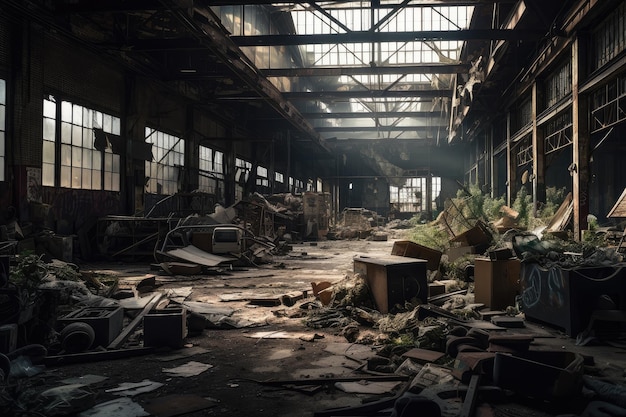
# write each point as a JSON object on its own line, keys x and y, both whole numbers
{"x": 70, "y": 158}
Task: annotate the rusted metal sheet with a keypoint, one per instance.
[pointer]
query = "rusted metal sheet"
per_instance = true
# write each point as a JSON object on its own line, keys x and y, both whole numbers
{"x": 197, "y": 256}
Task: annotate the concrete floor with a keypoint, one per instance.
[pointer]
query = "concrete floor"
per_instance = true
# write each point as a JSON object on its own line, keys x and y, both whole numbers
{"x": 241, "y": 358}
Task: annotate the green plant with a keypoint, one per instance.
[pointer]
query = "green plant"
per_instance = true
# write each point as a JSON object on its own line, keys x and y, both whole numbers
{"x": 28, "y": 274}
{"x": 430, "y": 235}
{"x": 523, "y": 205}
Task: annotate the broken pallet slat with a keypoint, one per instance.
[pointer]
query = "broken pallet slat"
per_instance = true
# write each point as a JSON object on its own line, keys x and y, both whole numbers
{"x": 123, "y": 336}
{"x": 317, "y": 381}
{"x": 103, "y": 355}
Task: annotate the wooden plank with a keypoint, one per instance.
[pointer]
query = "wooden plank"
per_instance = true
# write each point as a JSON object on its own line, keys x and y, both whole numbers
{"x": 619, "y": 209}
{"x": 123, "y": 336}
{"x": 562, "y": 215}
{"x": 103, "y": 355}
{"x": 318, "y": 381}
{"x": 470, "y": 397}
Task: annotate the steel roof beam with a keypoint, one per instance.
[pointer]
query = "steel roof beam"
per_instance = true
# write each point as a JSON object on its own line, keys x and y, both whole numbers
{"x": 317, "y": 95}
{"x": 415, "y": 3}
{"x": 110, "y": 6}
{"x": 380, "y": 128}
{"x": 367, "y": 37}
{"x": 371, "y": 115}
{"x": 372, "y": 70}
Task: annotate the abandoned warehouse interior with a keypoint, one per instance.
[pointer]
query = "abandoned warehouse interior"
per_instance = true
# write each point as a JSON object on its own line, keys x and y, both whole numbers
{"x": 324, "y": 208}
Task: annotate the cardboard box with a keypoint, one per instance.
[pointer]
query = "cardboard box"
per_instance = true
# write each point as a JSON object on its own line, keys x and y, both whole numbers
{"x": 435, "y": 289}
{"x": 393, "y": 279}
{"x": 167, "y": 327}
{"x": 455, "y": 253}
{"x": 477, "y": 235}
{"x": 496, "y": 283}
{"x": 415, "y": 250}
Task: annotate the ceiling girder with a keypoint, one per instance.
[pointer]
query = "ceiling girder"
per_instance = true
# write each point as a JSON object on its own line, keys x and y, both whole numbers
{"x": 377, "y": 37}
{"x": 109, "y": 6}
{"x": 371, "y": 70}
{"x": 381, "y": 128}
{"x": 317, "y": 95}
{"x": 370, "y": 115}
{"x": 415, "y": 3}
{"x": 206, "y": 26}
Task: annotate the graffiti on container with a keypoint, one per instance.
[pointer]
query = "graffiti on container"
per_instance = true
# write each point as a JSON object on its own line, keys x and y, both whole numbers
{"x": 543, "y": 286}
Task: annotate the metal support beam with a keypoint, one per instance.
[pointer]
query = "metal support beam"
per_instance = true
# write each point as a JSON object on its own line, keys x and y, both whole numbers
{"x": 345, "y": 95}
{"x": 372, "y": 70}
{"x": 109, "y": 6}
{"x": 414, "y": 3}
{"x": 431, "y": 117}
{"x": 380, "y": 128}
{"x": 378, "y": 37}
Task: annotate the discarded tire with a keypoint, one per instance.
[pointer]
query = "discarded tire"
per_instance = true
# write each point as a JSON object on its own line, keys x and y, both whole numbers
{"x": 77, "y": 337}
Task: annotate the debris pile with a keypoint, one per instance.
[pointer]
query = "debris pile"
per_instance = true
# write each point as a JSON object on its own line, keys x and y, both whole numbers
{"x": 356, "y": 223}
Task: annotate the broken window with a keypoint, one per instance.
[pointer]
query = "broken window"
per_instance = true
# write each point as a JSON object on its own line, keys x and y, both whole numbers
{"x": 609, "y": 104}
{"x": 242, "y": 173}
{"x": 412, "y": 196}
{"x": 3, "y": 106}
{"x": 559, "y": 84}
{"x": 610, "y": 37}
{"x": 169, "y": 155}
{"x": 210, "y": 173}
{"x": 296, "y": 185}
{"x": 71, "y": 149}
{"x": 262, "y": 178}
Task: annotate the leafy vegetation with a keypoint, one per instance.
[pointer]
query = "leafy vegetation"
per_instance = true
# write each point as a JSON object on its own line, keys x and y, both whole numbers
{"x": 28, "y": 274}
{"x": 470, "y": 206}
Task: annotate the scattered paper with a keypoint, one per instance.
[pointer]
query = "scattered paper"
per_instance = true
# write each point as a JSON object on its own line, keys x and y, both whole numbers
{"x": 365, "y": 387}
{"x": 182, "y": 353}
{"x": 189, "y": 369}
{"x": 122, "y": 407}
{"x": 85, "y": 379}
{"x": 179, "y": 295}
{"x": 129, "y": 389}
{"x": 275, "y": 335}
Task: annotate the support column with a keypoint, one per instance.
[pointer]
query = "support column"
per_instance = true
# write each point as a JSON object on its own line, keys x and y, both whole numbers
{"x": 539, "y": 182}
{"x": 288, "y": 173}
{"x": 229, "y": 174}
{"x": 492, "y": 164}
{"x": 190, "y": 172}
{"x": 510, "y": 167}
{"x": 581, "y": 148}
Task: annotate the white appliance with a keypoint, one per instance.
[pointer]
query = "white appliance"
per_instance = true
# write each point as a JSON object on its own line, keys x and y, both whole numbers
{"x": 227, "y": 240}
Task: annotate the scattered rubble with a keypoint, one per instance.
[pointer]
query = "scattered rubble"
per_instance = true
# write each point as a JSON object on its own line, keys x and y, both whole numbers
{"x": 443, "y": 329}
